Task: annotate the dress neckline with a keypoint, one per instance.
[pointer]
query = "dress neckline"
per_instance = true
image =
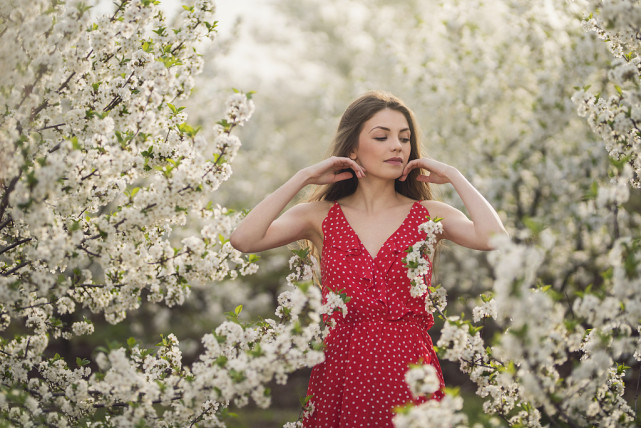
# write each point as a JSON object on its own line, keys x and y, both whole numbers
{"x": 358, "y": 238}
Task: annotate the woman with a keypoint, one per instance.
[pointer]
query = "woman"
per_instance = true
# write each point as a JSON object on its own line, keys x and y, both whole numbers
{"x": 375, "y": 194}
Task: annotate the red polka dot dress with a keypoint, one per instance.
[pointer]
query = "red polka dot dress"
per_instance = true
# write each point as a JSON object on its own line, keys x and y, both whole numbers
{"x": 368, "y": 351}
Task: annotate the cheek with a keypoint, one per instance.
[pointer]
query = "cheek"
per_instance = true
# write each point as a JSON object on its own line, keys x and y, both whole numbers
{"x": 366, "y": 149}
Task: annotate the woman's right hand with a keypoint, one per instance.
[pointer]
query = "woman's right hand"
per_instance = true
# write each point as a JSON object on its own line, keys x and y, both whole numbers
{"x": 332, "y": 170}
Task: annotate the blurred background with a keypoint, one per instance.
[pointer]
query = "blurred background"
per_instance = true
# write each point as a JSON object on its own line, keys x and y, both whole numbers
{"x": 490, "y": 82}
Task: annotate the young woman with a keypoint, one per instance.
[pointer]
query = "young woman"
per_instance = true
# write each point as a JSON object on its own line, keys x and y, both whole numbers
{"x": 375, "y": 193}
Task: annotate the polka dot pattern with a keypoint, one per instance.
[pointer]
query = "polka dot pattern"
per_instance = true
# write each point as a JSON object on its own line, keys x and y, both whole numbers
{"x": 368, "y": 352}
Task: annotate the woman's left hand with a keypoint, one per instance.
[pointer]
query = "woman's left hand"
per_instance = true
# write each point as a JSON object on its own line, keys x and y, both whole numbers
{"x": 438, "y": 172}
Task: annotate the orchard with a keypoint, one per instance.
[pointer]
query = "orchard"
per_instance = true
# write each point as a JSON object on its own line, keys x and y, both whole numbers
{"x": 122, "y": 175}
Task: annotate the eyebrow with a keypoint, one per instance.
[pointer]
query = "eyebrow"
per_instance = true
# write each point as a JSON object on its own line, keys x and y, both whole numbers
{"x": 387, "y": 129}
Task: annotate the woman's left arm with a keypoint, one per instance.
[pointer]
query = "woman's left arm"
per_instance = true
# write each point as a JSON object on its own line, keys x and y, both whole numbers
{"x": 474, "y": 232}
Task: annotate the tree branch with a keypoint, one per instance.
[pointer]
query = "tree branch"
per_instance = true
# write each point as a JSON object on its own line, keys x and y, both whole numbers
{"x": 66, "y": 82}
{"x": 4, "y": 223}
{"x": 12, "y": 271}
{"x": 50, "y": 126}
{"x": 89, "y": 175}
{"x": 5, "y": 198}
{"x": 15, "y": 244}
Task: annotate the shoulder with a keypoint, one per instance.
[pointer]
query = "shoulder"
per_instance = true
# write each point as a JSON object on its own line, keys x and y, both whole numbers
{"x": 437, "y": 208}
{"x": 314, "y": 211}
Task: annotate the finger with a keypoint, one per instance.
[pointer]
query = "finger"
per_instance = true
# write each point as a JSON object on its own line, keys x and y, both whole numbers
{"x": 424, "y": 178}
{"x": 358, "y": 170}
{"x": 410, "y": 166}
{"x": 343, "y": 176}
{"x": 344, "y": 162}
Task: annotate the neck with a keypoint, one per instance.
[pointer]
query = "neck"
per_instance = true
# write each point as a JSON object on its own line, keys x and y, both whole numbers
{"x": 372, "y": 194}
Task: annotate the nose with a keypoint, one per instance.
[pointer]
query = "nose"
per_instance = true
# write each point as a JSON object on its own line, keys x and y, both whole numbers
{"x": 396, "y": 144}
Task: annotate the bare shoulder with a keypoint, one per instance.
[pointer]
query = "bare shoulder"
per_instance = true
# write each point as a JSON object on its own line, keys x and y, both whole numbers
{"x": 437, "y": 208}
{"x": 313, "y": 210}
{"x": 313, "y": 213}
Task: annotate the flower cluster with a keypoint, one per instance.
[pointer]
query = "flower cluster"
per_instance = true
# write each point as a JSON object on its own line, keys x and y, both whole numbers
{"x": 240, "y": 107}
{"x": 442, "y": 414}
{"x": 423, "y": 380}
{"x": 615, "y": 118}
{"x": 301, "y": 270}
{"x": 418, "y": 260}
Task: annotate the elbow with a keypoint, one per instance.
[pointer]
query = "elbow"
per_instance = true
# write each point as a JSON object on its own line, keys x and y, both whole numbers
{"x": 238, "y": 242}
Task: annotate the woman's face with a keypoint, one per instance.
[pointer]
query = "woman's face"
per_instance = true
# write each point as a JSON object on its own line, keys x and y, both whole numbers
{"x": 384, "y": 144}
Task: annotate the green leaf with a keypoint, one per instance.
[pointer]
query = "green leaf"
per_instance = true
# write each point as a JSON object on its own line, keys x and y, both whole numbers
{"x": 305, "y": 400}
{"x": 185, "y": 128}
{"x": 619, "y": 90}
{"x": 487, "y": 297}
{"x": 302, "y": 253}
{"x": 160, "y": 31}
{"x": 147, "y": 46}
{"x": 453, "y": 391}
{"x": 75, "y": 144}
{"x": 238, "y": 309}
{"x": 593, "y": 192}
{"x": 536, "y": 226}
{"x": 80, "y": 362}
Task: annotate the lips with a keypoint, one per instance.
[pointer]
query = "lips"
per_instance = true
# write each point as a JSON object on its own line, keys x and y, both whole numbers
{"x": 394, "y": 161}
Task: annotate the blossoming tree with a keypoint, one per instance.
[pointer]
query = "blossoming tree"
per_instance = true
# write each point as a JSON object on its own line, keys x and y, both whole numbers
{"x": 99, "y": 167}
{"x": 495, "y": 87}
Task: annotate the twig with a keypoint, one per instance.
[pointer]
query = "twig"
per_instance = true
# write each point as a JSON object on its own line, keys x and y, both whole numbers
{"x": 22, "y": 308}
{"x": 89, "y": 175}
{"x": 66, "y": 82}
{"x": 54, "y": 148}
{"x": 20, "y": 266}
{"x": 4, "y": 223}
{"x": 87, "y": 251}
{"x": 120, "y": 7}
{"x": 5, "y": 198}
{"x": 38, "y": 109}
{"x": 50, "y": 126}
{"x": 15, "y": 244}
{"x": 26, "y": 349}
{"x": 199, "y": 417}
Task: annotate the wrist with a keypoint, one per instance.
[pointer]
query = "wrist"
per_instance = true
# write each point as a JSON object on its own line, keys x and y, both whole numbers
{"x": 303, "y": 177}
{"x": 453, "y": 174}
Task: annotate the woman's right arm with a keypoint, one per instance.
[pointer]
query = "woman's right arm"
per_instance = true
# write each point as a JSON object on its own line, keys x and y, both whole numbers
{"x": 262, "y": 229}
